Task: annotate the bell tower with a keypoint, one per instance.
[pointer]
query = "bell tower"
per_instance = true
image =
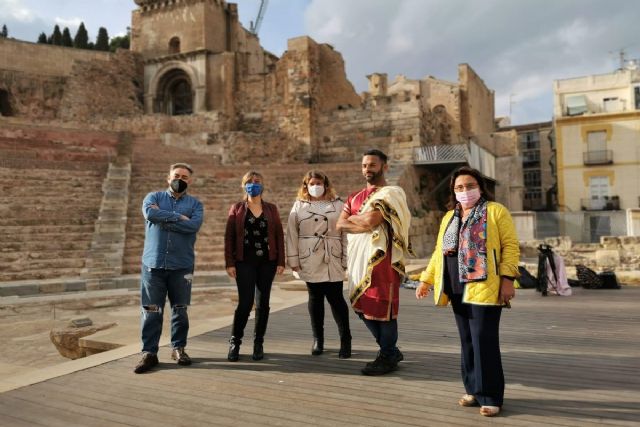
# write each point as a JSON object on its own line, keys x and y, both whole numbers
{"x": 188, "y": 51}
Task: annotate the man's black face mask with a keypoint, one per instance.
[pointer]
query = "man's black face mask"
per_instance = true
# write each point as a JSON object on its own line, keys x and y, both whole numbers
{"x": 178, "y": 185}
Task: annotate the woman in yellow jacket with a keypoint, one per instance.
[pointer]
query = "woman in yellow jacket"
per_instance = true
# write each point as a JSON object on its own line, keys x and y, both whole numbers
{"x": 473, "y": 266}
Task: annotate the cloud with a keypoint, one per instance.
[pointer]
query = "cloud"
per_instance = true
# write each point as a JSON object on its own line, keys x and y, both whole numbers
{"x": 72, "y": 23}
{"x": 515, "y": 46}
{"x": 15, "y": 10}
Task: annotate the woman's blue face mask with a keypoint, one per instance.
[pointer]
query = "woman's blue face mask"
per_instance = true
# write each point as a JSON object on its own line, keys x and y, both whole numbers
{"x": 253, "y": 188}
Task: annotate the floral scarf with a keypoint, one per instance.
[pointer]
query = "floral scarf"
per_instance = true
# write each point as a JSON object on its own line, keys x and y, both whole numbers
{"x": 469, "y": 240}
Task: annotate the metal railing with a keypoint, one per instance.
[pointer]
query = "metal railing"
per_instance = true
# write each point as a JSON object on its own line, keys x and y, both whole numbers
{"x": 470, "y": 153}
{"x": 600, "y": 204}
{"x": 458, "y": 153}
{"x": 600, "y": 157}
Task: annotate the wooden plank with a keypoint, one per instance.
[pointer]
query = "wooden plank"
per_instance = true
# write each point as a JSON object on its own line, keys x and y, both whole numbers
{"x": 568, "y": 362}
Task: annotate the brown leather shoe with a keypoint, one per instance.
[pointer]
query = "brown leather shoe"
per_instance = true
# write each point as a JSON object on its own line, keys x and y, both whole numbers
{"x": 181, "y": 356}
{"x": 147, "y": 362}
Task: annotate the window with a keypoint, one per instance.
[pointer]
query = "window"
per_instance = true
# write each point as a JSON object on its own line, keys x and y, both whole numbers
{"x": 532, "y": 199}
{"x": 597, "y": 141}
{"x": 636, "y": 92}
{"x": 531, "y": 159}
{"x": 5, "y": 104}
{"x": 529, "y": 140}
{"x": 532, "y": 178}
{"x": 597, "y": 153}
{"x": 174, "y": 45}
{"x": 533, "y": 194}
{"x": 599, "y": 191}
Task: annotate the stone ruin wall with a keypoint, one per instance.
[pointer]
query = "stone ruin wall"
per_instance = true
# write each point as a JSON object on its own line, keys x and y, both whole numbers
{"x": 103, "y": 89}
{"x": 391, "y": 126}
{"x": 477, "y": 103}
{"x": 284, "y": 105}
{"x": 59, "y": 83}
{"x": 32, "y": 95}
{"x": 35, "y": 76}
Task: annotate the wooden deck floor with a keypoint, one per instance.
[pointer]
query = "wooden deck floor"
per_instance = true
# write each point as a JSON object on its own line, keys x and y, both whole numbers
{"x": 568, "y": 362}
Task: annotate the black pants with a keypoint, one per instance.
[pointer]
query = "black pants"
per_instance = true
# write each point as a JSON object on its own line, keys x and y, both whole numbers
{"x": 482, "y": 373}
{"x": 333, "y": 292}
{"x": 254, "y": 283}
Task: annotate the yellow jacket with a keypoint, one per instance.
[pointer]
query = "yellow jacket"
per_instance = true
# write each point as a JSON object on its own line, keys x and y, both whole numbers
{"x": 503, "y": 254}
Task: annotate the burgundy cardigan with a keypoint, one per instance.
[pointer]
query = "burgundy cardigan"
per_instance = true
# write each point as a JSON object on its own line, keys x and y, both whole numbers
{"x": 234, "y": 233}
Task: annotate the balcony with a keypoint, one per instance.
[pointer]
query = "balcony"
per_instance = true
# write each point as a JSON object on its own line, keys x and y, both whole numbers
{"x": 605, "y": 203}
{"x": 601, "y": 157}
{"x": 457, "y": 154}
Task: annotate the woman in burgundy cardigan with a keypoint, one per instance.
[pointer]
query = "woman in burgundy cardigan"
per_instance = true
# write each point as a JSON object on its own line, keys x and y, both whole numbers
{"x": 254, "y": 253}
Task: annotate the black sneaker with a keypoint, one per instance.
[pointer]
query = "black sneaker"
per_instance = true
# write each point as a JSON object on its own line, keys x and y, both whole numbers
{"x": 382, "y": 365}
{"x": 179, "y": 355}
{"x": 147, "y": 362}
{"x": 398, "y": 357}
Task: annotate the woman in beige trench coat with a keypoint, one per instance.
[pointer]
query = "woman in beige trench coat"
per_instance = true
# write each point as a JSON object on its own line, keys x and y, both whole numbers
{"x": 317, "y": 252}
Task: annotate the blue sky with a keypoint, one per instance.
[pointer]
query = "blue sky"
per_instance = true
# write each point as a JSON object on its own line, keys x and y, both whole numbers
{"x": 518, "y": 47}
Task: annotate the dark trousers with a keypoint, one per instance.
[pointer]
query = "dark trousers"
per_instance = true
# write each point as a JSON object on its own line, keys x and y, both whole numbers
{"x": 333, "y": 292}
{"x": 254, "y": 283}
{"x": 482, "y": 373}
{"x": 386, "y": 334}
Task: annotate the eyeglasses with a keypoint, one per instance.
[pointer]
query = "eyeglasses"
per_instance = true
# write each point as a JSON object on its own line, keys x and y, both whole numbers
{"x": 460, "y": 188}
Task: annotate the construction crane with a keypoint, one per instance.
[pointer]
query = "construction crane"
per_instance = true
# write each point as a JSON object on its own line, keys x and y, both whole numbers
{"x": 254, "y": 27}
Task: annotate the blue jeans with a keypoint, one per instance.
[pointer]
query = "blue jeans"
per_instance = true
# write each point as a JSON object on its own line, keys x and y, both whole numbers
{"x": 155, "y": 285}
{"x": 386, "y": 335}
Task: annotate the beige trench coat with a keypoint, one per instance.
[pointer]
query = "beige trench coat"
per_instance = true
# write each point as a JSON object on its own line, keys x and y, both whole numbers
{"x": 314, "y": 244}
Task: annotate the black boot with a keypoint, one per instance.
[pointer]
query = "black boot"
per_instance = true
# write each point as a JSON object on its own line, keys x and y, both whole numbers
{"x": 318, "y": 346}
{"x": 316, "y": 314}
{"x": 341, "y": 316}
{"x": 237, "y": 332}
{"x": 262, "y": 318}
{"x": 234, "y": 349}
{"x": 345, "y": 348}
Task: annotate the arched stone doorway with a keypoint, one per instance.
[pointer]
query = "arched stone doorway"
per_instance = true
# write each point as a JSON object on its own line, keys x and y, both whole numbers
{"x": 175, "y": 94}
{"x": 5, "y": 104}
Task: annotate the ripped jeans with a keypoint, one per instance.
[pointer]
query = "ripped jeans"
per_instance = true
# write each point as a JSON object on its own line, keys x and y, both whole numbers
{"x": 155, "y": 285}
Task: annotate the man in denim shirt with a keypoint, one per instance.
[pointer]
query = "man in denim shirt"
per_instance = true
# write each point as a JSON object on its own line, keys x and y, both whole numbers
{"x": 173, "y": 218}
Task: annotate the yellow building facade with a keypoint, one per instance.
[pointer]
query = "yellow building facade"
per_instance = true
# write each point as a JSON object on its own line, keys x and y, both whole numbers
{"x": 597, "y": 128}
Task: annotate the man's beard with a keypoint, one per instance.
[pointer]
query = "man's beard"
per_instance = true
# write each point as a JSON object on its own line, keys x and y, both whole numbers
{"x": 375, "y": 177}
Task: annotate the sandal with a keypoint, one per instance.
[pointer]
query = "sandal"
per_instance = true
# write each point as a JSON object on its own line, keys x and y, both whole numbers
{"x": 468, "y": 400}
{"x": 489, "y": 411}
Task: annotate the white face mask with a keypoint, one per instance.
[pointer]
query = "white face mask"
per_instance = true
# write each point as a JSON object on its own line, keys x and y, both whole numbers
{"x": 315, "y": 190}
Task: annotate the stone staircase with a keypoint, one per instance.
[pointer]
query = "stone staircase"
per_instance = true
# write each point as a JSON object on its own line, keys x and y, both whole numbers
{"x": 104, "y": 259}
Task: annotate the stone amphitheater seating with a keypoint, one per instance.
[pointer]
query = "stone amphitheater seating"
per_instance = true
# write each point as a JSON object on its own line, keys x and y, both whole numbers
{"x": 217, "y": 187}
{"x": 51, "y": 207}
{"x": 51, "y": 197}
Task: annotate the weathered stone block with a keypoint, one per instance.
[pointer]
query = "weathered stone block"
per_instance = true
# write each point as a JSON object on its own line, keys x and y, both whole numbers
{"x": 607, "y": 258}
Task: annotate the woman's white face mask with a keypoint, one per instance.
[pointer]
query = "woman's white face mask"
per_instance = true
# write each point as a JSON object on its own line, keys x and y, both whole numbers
{"x": 315, "y": 190}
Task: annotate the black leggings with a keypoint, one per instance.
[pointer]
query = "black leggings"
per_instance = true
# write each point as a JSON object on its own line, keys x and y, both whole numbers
{"x": 333, "y": 292}
{"x": 254, "y": 282}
